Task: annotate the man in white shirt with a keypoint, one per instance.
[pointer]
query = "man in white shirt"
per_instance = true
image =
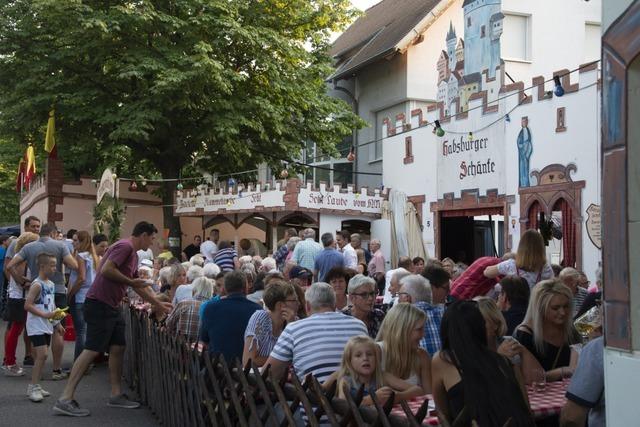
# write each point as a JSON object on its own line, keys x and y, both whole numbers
{"x": 343, "y": 239}
{"x": 404, "y": 263}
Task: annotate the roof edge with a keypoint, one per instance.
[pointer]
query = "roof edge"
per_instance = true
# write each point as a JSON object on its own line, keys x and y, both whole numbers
{"x": 402, "y": 44}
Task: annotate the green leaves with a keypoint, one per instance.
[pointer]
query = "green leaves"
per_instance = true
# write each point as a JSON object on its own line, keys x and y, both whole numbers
{"x": 223, "y": 81}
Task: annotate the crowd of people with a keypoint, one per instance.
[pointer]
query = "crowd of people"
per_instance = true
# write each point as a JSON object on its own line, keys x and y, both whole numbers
{"x": 472, "y": 336}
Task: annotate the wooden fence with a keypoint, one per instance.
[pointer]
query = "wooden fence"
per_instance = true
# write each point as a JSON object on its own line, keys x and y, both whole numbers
{"x": 184, "y": 387}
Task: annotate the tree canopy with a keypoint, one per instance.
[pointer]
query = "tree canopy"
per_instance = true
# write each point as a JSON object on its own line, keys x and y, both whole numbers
{"x": 223, "y": 84}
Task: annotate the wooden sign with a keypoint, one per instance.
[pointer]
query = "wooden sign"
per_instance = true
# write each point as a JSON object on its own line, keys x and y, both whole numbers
{"x": 593, "y": 225}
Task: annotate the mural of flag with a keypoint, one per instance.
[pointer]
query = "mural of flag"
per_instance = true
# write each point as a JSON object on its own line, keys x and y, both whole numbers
{"x": 50, "y": 138}
{"x": 30, "y": 166}
{"x": 20, "y": 176}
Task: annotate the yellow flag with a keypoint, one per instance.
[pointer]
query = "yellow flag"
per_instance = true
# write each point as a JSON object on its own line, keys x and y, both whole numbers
{"x": 50, "y": 139}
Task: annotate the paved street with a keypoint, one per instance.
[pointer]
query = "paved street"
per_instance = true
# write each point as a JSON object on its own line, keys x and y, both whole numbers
{"x": 16, "y": 410}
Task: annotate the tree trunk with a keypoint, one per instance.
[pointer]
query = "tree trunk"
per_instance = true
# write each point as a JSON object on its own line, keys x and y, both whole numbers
{"x": 171, "y": 222}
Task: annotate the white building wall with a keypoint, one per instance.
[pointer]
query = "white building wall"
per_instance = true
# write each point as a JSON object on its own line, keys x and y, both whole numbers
{"x": 556, "y": 37}
{"x": 580, "y": 144}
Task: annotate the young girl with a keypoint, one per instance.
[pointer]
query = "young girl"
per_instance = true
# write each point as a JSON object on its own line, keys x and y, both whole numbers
{"x": 359, "y": 366}
{"x": 40, "y": 307}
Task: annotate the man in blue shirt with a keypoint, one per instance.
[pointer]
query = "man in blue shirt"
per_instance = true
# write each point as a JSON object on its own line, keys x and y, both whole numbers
{"x": 327, "y": 259}
{"x": 223, "y": 322}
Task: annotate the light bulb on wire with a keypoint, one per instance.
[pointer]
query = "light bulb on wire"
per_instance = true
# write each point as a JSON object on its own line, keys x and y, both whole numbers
{"x": 559, "y": 90}
{"x": 438, "y": 129}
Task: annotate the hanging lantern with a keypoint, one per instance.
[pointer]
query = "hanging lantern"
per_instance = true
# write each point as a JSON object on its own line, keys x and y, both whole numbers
{"x": 179, "y": 186}
{"x": 352, "y": 154}
{"x": 438, "y": 129}
{"x": 284, "y": 173}
{"x": 133, "y": 186}
{"x": 231, "y": 182}
{"x": 507, "y": 118}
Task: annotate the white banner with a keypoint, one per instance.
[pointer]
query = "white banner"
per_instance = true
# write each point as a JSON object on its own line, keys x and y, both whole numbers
{"x": 107, "y": 185}
{"x": 189, "y": 200}
{"x": 339, "y": 201}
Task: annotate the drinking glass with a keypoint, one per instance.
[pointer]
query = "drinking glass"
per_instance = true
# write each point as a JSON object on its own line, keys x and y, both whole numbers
{"x": 586, "y": 323}
{"x": 539, "y": 380}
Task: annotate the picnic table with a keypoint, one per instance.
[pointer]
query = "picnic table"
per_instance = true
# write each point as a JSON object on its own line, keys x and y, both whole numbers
{"x": 543, "y": 404}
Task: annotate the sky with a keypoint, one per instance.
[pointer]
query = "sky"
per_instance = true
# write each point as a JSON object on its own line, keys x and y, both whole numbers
{"x": 363, "y": 4}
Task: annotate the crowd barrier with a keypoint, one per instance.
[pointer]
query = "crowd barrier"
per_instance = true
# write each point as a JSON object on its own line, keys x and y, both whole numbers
{"x": 185, "y": 387}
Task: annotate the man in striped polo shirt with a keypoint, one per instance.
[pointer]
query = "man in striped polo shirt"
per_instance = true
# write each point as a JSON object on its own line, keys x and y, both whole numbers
{"x": 315, "y": 344}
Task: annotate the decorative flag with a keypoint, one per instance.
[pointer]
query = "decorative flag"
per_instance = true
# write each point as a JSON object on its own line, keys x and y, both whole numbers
{"x": 20, "y": 176}
{"x": 30, "y": 168}
{"x": 50, "y": 138}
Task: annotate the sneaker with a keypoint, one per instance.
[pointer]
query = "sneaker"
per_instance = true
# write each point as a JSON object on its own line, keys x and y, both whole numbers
{"x": 44, "y": 392}
{"x": 122, "y": 401}
{"x": 58, "y": 375}
{"x": 34, "y": 393}
{"x": 13, "y": 371}
{"x": 27, "y": 362}
{"x": 70, "y": 408}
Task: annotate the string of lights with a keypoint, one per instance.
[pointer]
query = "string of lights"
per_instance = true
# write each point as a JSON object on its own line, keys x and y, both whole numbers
{"x": 437, "y": 129}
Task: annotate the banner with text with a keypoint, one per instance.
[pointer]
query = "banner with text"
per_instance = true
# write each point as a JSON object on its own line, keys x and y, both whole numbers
{"x": 474, "y": 161}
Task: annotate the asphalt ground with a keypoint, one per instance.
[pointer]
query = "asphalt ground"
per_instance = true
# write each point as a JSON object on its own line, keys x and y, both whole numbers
{"x": 16, "y": 410}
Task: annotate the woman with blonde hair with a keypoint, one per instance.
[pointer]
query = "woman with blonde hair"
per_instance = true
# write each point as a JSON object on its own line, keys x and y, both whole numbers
{"x": 177, "y": 277}
{"x": 547, "y": 329}
{"x": 80, "y": 281}
{"x": 15, "y": 311}
{"x": 530, "y": 263}
{"x": 399, "y": 346}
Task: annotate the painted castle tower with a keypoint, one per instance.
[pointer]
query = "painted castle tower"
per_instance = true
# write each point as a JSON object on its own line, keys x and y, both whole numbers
{"x": 470, "y": 65}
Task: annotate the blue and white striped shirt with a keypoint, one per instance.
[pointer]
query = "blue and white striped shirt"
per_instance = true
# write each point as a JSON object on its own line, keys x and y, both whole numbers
{"x": 315, "y": 344}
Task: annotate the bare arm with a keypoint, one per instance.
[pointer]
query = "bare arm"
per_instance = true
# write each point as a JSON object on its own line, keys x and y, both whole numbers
{"x": 425, "y": 371}
{"x": 278, "y": 367}
{"x": 70, "y": 261}
{"x": 491, "y": 272}
{"x": 12, "y": 268}
{"x": 437, "y": 388}
{"x": 82, "y": 275}
{"x": 147, "y": 294}
{"x": 250, "y": 351}
{"x": 573, "y": 415}
{"x": 403, "y": 390}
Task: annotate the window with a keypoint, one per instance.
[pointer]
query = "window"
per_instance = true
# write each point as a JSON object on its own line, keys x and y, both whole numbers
{"x": 592, "y": 34}
{"x": 483, "y": 32}
{"x": 468, "y": 21}
{"x": 342, "y": 172}
{"x": 408, "y": 150}
{"x": 516, "y": 40}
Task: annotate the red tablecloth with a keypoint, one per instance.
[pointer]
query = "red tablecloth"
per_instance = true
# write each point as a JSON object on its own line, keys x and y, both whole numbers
{"x": 550, "y": 401}
{"x": 414, "y": 404}
{"x": 543, "y": 404}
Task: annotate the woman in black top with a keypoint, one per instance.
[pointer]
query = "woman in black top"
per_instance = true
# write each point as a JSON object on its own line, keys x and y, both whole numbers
{"x": 471, "y": 383}
{"x": 547, "y": 329}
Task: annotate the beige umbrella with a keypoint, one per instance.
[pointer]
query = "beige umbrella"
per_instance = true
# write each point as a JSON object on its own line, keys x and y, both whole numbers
{"x": 414, "y": 234}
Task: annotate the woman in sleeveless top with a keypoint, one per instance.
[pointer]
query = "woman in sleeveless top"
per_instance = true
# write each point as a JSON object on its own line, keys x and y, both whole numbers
{"x": 80, "y": 281}
{"x": 398, "y": 343}
{"x": 547, "y": 329}
{"x": 530, "y": 263}
{"x": 471, "y": 383}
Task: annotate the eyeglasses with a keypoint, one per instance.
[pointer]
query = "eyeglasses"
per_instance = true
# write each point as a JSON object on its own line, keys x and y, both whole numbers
{"x": 365, "y": 295}
{"x": 404, "y": 293}
{"x": 292, "y": 300}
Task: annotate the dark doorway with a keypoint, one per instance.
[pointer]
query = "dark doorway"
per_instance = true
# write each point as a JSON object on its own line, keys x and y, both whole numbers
{"x": 467, "y": 238}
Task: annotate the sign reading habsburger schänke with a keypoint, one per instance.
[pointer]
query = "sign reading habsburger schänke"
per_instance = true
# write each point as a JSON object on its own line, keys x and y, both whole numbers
{"x": 471, "y": 161}
{"x": 593, "y": 225}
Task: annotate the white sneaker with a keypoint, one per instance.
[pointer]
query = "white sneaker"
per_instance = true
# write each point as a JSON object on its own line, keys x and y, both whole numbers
{"x": 34, "y": 392}
{"x": 44, "y": 392}
{"x": 13, "y": 371}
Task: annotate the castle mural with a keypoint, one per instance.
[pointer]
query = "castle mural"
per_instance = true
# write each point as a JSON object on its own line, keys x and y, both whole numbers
{"x": 471, "y": 64}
